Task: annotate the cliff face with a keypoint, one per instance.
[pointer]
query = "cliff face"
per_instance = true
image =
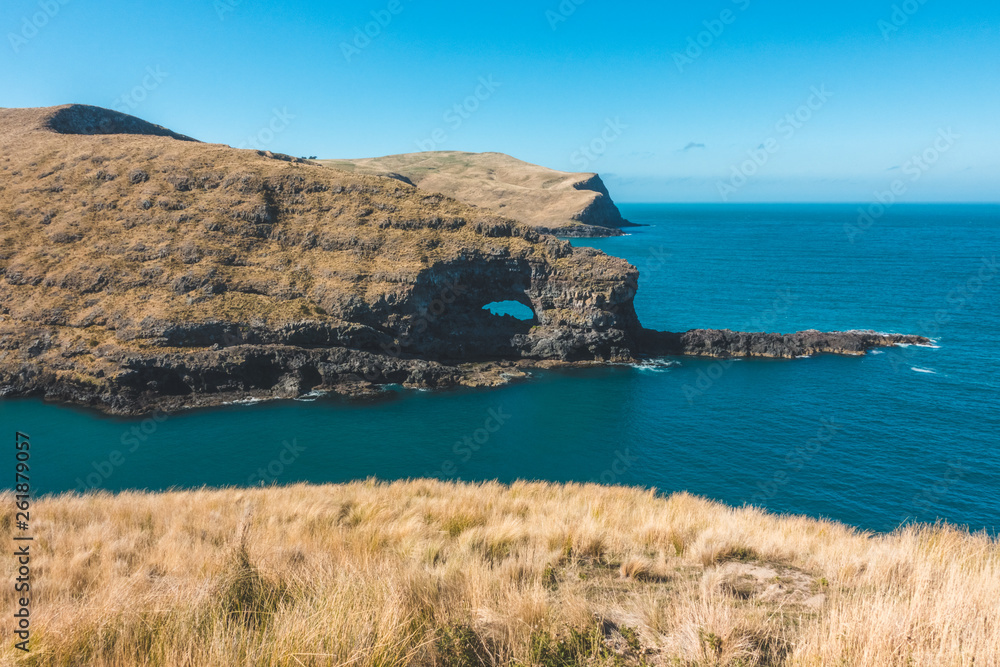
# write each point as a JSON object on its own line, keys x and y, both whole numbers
{"x": 550, "y": 201}
{"x": 141, "y": 268}
{"x": 601, "y": 212}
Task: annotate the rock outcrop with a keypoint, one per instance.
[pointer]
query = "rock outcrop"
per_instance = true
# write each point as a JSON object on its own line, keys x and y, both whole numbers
{"x": 550, "y": 201}
{"x": 140, "y": 270}
{"x": 86, "y": 119}
{"x": 725, "y": 343}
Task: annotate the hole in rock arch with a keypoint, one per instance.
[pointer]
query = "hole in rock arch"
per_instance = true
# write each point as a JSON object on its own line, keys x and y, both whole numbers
{"x": 513, "y": 308}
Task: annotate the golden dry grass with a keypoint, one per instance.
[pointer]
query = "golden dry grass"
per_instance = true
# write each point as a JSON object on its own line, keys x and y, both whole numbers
{"x": 529, "y": 193}
{"x": 77, "y": 245}
{"x": 431, "y": 573}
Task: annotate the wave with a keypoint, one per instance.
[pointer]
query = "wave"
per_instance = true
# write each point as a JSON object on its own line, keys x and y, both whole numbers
{"x": 923, "y": 370}
{"x": 247, "y": 401}
{"x": 312, "y": 396}
{"x": 933, "y": 341}
{"x": 655, "y": 365}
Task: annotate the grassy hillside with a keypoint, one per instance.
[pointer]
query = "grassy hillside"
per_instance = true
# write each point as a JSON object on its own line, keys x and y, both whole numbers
{"x": 142, "y": 270}
{"x": 429, "y": 573}
{"x": 549, "y": 200}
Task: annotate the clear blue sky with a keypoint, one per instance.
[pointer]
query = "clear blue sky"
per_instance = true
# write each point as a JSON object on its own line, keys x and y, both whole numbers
{"x": 560, "y": 76}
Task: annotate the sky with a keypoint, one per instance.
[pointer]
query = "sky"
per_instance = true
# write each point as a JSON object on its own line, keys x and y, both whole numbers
{"x": 718, "y": 101}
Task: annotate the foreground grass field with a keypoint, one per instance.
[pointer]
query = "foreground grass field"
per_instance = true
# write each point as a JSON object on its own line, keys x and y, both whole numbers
{"x": 430, "y": 573}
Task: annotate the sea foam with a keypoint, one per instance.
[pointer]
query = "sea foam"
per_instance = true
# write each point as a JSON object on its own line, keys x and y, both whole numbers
{"x": 655, "y": 365}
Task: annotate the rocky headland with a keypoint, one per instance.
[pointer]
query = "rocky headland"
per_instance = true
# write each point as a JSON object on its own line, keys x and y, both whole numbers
{"x": 551, "y": 202}
{"x": 141, "y": 269}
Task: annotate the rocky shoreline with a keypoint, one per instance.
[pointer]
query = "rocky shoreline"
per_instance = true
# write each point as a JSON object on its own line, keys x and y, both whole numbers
{"x": 175, "y": 380}
{"x": 725, "y": 343}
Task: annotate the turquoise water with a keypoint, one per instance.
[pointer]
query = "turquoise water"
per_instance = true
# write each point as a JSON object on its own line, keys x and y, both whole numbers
{"x": 907, "y": 434}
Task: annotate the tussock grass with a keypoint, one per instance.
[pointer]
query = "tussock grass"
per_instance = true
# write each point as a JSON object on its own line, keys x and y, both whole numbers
{"x": 541, "y": 197}
{"x": 432, "y": 573}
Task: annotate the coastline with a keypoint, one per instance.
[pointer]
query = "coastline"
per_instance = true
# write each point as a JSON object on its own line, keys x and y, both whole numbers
{"x": 296, "y": 369}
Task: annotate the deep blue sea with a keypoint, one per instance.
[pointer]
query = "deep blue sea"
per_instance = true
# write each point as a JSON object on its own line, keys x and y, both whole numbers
{"x": 904, "y": 434}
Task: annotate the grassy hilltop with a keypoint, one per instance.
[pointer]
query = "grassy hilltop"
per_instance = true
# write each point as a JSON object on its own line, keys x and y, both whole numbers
{"x": 558, "y": 202}
{"x": 430, "y": 573}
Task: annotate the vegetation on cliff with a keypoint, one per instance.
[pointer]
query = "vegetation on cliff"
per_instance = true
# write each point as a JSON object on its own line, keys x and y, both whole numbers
{"x": 556, "y": 202}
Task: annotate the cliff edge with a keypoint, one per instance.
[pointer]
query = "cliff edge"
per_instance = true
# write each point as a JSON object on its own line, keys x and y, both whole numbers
{"x": 550, "y": 201}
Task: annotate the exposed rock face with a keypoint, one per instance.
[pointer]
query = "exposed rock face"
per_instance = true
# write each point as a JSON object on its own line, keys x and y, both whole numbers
{"x": 86, "y": 119}
{"x": 550, "y": 201}
{"x": 726, "y": 343}
{"x": 140, "y": 270}
{"x": 601, "y": 212}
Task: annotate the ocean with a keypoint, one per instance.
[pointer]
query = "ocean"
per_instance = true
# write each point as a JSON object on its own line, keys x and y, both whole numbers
{"x": 899, "y": 435}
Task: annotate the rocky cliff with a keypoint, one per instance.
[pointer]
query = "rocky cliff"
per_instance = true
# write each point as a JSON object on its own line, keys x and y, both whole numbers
{"x": 142, "y": 269}
{"x": 550, "y": 201}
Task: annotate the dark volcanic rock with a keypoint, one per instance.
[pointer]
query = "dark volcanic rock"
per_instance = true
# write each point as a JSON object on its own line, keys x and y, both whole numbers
{"x": 726, "y": 343}
{"x": 86, "y": 119}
